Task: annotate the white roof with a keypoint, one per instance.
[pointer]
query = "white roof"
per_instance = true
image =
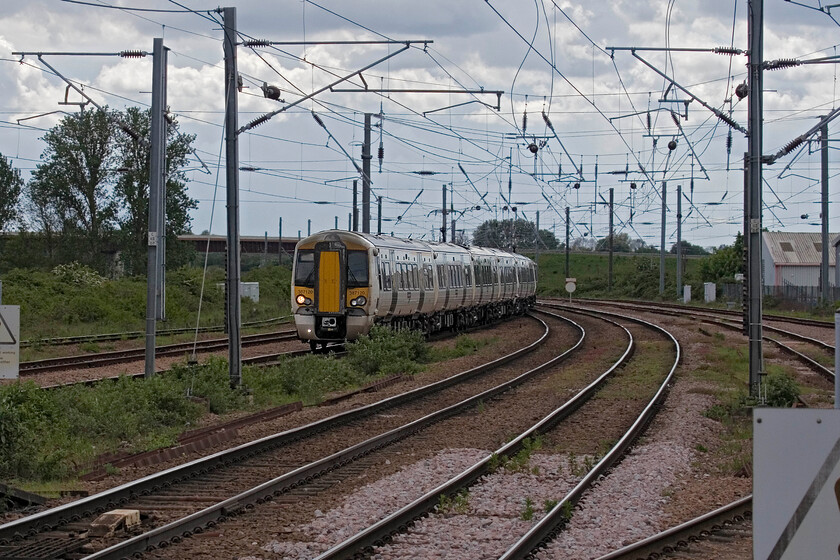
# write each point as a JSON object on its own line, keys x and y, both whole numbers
{"x": 797, "y": 248}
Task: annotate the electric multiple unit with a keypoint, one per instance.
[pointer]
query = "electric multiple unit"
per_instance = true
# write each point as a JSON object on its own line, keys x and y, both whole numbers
{"x": 345, "y": 282}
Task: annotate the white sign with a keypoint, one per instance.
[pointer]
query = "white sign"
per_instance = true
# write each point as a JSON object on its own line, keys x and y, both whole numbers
{"x": 571, "y": 285}
{"x": 796, "y": 484}
{"x": 9, "y": 341}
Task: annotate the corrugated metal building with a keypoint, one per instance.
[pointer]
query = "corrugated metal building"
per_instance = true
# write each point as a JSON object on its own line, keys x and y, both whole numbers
{"x": 793, "y": 259}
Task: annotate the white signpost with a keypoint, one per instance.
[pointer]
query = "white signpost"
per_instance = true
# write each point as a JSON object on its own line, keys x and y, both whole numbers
{"x": 796, "y": 484}
{"x": 571, "y": 285}
{"x": 9, "y": 341}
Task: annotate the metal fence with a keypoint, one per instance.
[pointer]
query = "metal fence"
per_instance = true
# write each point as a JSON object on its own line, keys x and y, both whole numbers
{"x": 798, "y": 297}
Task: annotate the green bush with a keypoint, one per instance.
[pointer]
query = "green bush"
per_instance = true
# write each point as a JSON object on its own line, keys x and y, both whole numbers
{"x": 781, "y": 390}
{"x": 385, "y": 352}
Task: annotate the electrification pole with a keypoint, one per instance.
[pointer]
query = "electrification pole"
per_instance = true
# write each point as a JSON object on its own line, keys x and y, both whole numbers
{"x": 154, "y": 277}
{"x": 537, "y": 239}
{"x": 443, "y": 213}
{"x": 824, "y": 284}
{"x": 452, "y": 211}
{"x": 232, "y": 175}
{"x": 280, "y": 240}
{"x": 679, "y": 241}
{"x": 366, "y": 177}
{"x": 755, "y": 10}
{"x": 567, "y": 242}
{"x": 379, "y": 215}
{"x": 355, "y": 205}
{"x": 610, "y": 276}
{"x": 662, "y": 241}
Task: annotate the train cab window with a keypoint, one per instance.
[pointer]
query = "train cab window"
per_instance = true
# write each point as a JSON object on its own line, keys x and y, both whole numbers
{"x": 357, "y": 269}
{"x": 305, "y": 269}
{"x": 385, "y": 276}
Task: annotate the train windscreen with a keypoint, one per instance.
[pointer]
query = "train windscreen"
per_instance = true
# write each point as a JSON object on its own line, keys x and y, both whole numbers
{"x": 305, "y": 269}
{"x": 357, "y": 269}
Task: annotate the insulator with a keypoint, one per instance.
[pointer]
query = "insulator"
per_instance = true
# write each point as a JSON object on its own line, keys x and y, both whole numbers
{"x": 780, "y": 63}
{"x": 648, "y": 122}
{"x": 257, "y": 43}
{"x": 729, "y": 141}
{"x": 318, "y": 120}
{"x": 727, "y": 50}
{"x": 424, "y": 172}
{"x": 524, "y": 122}
{"x": 257, "y": 122}
{"x": 793, "y": 144}
{"x": 727, "y": 120}
{"x": 547, "y": 121}
{"x": 132, "y": 54}
{"x": 381, "y": 153}
{"x": 676, "y": 119}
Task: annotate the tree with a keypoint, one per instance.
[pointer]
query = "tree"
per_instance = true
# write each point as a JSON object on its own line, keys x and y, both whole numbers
{"x": 132, "y": 191}
{"x": 689, "y": 249}
{"x": 621, "y": 243}
{"x": 10, "y": 188}
{"x": 70, "y": 193}
{"x": 512, "y": 234}
{"x": 725, "y": 262}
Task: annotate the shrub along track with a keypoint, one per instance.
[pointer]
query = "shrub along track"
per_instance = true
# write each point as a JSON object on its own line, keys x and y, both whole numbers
{"x": 180, "y": 484}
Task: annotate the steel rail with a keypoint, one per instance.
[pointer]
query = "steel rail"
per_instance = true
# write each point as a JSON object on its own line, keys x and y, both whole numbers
{"x": 109, "y": 499}
{"x": 642, "y": 303}
{"x": 110, "y": 337}
{"x": 120, "y": 356}
{"x": 548, "y": 527}
{"x": 381, "y": 532}
{"x": 708, "y": 317}
{"x": 667, "y": 541}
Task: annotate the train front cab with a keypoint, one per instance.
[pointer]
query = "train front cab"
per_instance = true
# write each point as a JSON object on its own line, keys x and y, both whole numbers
{"x": 332, "y": 292}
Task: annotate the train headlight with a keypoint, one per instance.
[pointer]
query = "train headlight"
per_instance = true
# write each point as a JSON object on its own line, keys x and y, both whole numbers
{"x": 359, "y": 301}
{"x": 300, "y": 299}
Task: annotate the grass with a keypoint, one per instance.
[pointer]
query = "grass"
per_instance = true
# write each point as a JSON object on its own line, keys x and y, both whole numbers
{"x": 56, "y": 304}
{"x": 634, "y": 276}
{"x": 50, "y": 435}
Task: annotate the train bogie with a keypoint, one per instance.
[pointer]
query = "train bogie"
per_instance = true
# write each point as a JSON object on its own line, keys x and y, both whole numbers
{"x": 343, "y": 283}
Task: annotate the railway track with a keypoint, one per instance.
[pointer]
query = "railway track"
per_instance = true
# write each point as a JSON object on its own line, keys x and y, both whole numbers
{"x": 178, "y": 488}
{"x": 128, "y": 335}
{"x": 138, "y": 354}
{"x": 696, "y": 538}
{"x": 810, "y": 351}
{"x": 375, "y": 540}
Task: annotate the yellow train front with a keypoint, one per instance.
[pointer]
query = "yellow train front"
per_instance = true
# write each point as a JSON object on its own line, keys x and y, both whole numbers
{"x": 344, "y": 282}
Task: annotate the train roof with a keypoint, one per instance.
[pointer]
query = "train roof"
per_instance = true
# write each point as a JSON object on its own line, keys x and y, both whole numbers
{"x": 399, "y": 243}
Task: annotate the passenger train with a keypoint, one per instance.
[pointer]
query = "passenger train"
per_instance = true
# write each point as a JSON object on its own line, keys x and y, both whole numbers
{"x": 345, "y": 282}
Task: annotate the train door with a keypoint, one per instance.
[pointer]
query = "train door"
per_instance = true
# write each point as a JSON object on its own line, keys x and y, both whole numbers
{"x": 330, "y": 290}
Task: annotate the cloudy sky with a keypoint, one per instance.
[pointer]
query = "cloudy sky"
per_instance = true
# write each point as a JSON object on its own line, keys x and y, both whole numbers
{"x": 611, "y": 113}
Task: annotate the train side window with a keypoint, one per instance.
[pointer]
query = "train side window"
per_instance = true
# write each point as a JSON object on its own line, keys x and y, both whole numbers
{"x": 357, "y": 269}
{"x": 415, "y": 274}
{"x": 385, "y": 276}
{"x": 441, "y": 270}
{"x": 467, "y": 277}
{"x": 427, "y": 277}
{"x": 305, "y": 269}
